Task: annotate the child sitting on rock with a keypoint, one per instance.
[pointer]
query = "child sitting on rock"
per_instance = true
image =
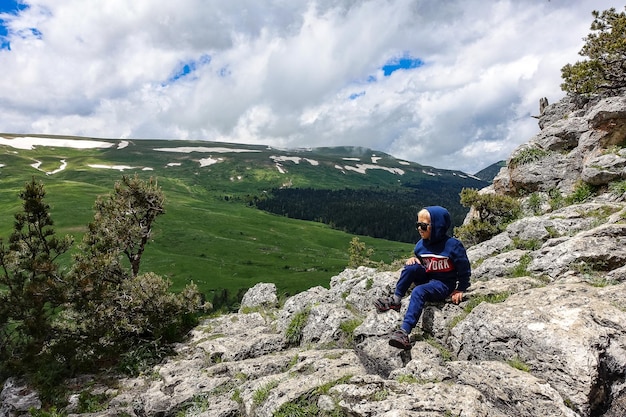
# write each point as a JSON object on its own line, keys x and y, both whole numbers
{"x": 439, "y": 269}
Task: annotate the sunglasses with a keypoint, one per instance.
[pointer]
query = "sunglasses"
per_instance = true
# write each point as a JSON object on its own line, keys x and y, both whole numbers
{"x": 420, "y": 225}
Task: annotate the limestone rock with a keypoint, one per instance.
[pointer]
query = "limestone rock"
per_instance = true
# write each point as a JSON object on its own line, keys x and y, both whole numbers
{"x": 490, "y": 247}
{"x": 604, "y": 169}
{"x": 569, "y": 336}
{"x": 602, "y": 249}
{"x": 261, "y": 295}
{"x": 575, "y": 142}
{"x": 16, "y": 398}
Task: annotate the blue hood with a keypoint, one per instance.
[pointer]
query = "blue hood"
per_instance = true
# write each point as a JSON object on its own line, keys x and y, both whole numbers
{"x": 439, "y": 223}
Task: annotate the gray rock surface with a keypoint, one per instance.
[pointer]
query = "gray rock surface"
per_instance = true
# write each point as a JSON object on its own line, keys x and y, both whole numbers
{"x": 261, "y": 295}
{"x": 551, "y": 347}
{"x": 578, "y": 143}
{"x": 16, "y": 398}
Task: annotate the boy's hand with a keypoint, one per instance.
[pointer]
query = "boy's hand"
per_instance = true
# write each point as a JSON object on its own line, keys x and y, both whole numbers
{"x": 412, "y": 261}
{"x": 457, "y": 296}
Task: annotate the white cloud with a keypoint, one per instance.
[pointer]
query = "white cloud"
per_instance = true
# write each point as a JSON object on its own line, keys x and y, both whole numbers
{"x": 302, "y": 73}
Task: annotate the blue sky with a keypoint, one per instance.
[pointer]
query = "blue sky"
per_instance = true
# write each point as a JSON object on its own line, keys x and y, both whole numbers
{"x": 11, "y": 7}
{"x": 450, "y": 84}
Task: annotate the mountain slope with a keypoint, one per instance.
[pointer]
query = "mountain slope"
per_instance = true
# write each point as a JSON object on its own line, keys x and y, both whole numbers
{"x": 489, "y": 173}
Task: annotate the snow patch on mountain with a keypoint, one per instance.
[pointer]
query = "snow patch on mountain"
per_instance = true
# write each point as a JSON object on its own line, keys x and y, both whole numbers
{"x": 189, "y": 149}
{"x": 29, "y": 143}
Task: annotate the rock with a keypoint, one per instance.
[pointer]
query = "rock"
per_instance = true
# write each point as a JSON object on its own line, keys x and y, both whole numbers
{"x": 501, "y": 265}
{"x": 17, "y": 398}
{"x": 569, "y": 336}
{"x": 523, "y": 395}
{"x": 618, "y": 274}
{"x": 497, "y": 286}
{"x": 553, "y": 171}
{"x": 563, "y": 135}
{"x": 600, "y": 249}
{"x": 261, "y": 295}
{"x": 558, "y": 111}
{"x": 490, "y": 247}
{"x": 575, "y": 140}
{"x": 604, "y": 169}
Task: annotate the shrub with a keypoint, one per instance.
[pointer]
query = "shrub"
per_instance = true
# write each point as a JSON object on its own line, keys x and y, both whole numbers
{"x": 534, "y": 203}
{"x": 137, "y": 359}
{"x": 556, "y": 200}
{"x": 33, "y": 284}
{"x": 306, "y": 405}
{"x": 379, "y": 395}
{"x": 347, "y": 328}
{"x": 91, "y": 403}
{"x": 494, "y": 213}
{"x": 582, "y": 192}
{"x": 102, "y": 312}
{"x": 521, "y": 269}
{"x": 517, "y": 363}
{"x": 618, "y": 188}
{"x": 528, "y": 155}
{"x": 260, "y": 395}
{"x": 359, "y": 254}
{"x": 51, "y": 412}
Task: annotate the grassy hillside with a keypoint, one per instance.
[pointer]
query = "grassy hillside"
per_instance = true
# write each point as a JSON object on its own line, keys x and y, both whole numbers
{"x": 209, "y": 234}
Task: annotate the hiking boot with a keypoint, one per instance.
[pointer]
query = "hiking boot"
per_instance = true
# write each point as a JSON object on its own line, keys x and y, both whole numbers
{"x": 385, "y": 304}
{"x": 400, "y": 339}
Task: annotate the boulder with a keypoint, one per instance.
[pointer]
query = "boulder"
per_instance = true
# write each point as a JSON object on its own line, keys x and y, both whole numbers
{"x": 17, "y": 398}
{"x": 569, "y": 336}
{"x": 261, "y": 295}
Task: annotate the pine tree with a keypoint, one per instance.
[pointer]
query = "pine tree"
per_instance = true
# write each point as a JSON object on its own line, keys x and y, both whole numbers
{"x": 605, "y": 69}
{"x": 35, "y": 284}
{"x": 116, "y": 308}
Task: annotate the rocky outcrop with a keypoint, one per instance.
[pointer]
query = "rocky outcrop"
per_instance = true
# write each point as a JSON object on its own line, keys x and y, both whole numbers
{"x": 546, "y": 348}
{"x": 542, "y": 331}
{"x": 578, "y": 142}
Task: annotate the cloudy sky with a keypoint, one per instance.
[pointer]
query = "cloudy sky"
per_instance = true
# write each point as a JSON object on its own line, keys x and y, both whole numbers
{"x": 447, "y": 83}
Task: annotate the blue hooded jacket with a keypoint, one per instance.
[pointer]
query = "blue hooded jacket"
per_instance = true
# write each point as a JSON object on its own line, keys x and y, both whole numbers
{"x": 445, "y": 258}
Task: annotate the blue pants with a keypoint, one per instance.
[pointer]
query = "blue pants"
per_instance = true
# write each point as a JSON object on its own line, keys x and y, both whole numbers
{"x": 425, "y": 290}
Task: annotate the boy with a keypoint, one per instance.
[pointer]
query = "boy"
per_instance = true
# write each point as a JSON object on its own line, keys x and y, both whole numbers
{"x": 439, "y": 269}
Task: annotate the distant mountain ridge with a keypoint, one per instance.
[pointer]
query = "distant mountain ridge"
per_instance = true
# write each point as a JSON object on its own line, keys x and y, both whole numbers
{"x": 341, "y": 156}
{"x": 256, "y": 174}
{"x": 490, "y": 172}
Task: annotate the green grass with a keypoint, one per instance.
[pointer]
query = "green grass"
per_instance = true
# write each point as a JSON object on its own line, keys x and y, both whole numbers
{"x": 218, "y": 244}
{"x": 293, "y": 334}
{"x": 529, "y": 155}
{"x": 262, "y": 394}
{"x": 517, "y": 363}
